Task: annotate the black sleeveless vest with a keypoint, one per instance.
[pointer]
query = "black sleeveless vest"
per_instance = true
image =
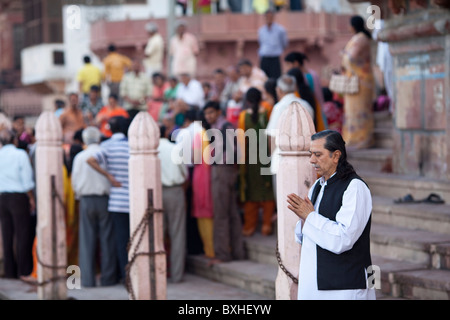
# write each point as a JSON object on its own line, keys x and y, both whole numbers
{"x": 346, "y": 270}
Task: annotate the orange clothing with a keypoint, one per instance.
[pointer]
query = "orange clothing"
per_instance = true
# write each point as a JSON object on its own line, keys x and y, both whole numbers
{"x": 266, "y": 105}
{"x": 251, "y": 216}
{"x": 107, "y": 113}
{"x": 115, "y": 65}
{"x": 35, "y": 262}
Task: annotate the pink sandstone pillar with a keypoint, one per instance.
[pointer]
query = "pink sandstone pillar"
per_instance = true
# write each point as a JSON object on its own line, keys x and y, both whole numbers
{"x": 147, "y": 271}
{"x": 51, "y": 228}
{"x": 295, "y": 175}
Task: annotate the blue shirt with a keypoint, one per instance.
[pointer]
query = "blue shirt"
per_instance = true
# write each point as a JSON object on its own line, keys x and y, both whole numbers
{"x": 115, "y": 153}
{"x": 273, "y": 41}
{"x": 16, "y": 174}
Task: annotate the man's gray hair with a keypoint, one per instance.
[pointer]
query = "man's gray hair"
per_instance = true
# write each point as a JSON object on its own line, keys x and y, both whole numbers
{"x": 6, "y": 137}
{"x": 151, "y": 27}
{"x": 91, "y": 135}
{"x": 180, "y": 23}
{"x": 287, "y": 83}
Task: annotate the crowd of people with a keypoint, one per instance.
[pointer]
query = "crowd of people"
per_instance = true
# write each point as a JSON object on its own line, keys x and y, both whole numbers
{"x": 208, "y": 207}
{"x": 237, "y": 6}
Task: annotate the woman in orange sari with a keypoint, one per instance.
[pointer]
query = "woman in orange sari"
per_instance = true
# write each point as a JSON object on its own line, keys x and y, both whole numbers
{"x": 270, "y": 97}
{"x": 358, "y": 126}
{"x": 256, "y": 190}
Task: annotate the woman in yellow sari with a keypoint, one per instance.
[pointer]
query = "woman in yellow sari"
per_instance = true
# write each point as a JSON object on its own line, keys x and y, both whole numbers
{"x": 358, "y": 123}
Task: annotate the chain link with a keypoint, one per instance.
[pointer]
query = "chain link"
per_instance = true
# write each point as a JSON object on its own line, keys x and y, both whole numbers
{"x": 282, "y": 267}
{"x": 56, "y": 195}
{"x": 142, "y": 226}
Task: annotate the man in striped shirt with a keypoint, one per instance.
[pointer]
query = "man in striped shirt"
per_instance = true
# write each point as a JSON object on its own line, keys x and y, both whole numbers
{"x": 115, "y": 153}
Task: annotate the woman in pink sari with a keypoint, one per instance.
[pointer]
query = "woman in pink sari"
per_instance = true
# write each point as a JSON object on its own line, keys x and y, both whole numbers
{"x": 202, "y": 206}
{"x": 157, "y": 99}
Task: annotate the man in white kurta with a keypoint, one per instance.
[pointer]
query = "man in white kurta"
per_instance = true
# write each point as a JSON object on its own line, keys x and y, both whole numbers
{"x": 337, "y": 237}
{"x": 184, "y": 49}
{"x": 154, "y": 50}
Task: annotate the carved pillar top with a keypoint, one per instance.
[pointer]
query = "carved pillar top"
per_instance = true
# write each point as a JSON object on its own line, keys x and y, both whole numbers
{"x": 296, "y": 128}
{"x": 48, "y": 130}
{"x": 143, "y": 134}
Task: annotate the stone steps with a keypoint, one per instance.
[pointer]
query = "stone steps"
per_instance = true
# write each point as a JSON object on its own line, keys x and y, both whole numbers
{"x": 429, "y": 217}
{"x": 396, "y": 186}
{"x": 255, "y": 277}
{"x": 441, "y": 255}
{"x": 375, "y": 159}
{"x": 405, "y": 244}
{"x": 383, "y": 119}
{"x": 404, "y": 261}
{"x": 383, "y": 138}
{"x": 422, "y": 284}
{"x": 383, "y": 130}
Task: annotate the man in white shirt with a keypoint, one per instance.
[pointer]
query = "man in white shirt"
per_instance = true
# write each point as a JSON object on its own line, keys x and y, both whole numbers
{"x": 190, "y": 93}
{"x": 250, "y": 76}
{"x": 334, "y": 226}
{"x": 16, "y": 205}
{"x": 185, "y": 138}
{"x": 185, "y": 153}
{"x": 154, "y": 50}
{"x": 135, "y": 90}
{"x": 173, "y": 177}
{"x": 92, "y": 188}
{"x": 286, "y": 86}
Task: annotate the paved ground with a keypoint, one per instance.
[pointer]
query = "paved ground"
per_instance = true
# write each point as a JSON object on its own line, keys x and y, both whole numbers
{"x": 192, "y": 288}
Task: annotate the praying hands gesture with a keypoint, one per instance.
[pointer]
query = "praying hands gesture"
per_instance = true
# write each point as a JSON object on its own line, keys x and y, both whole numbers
{"x": 301, "y": 207}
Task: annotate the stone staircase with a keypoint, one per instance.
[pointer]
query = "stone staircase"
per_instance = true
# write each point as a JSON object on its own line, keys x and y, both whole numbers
{"x": 409, "y": 242}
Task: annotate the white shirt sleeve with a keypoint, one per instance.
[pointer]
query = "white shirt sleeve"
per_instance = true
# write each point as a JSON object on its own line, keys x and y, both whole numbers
{"x": 26, "y": 172}
{"x": 300, "y": 223}
{"x": 76, "y": 174}
{"x": 340, "y": 235}
{"x": 298, "y": 232}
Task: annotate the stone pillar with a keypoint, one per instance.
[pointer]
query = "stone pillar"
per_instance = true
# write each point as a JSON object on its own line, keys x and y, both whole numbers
{"x": 51, "y": 227}
{"x": 295, "y": 175}
{"x": 147, "y": 271}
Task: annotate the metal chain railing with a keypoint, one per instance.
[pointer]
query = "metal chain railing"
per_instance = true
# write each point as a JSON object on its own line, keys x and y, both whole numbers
{"x": 142, "y": 226}
{"x": 282, "y": 267}
{"x": 57, "y": 196}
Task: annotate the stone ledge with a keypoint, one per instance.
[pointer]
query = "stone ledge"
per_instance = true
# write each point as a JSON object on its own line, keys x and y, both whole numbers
{"x": 404, "y": 244}
{"x": 245, "y": 274}
{"x": 397, "y": 185}
{"x": 424, "y": 284}
{"x": 428, "y": 217}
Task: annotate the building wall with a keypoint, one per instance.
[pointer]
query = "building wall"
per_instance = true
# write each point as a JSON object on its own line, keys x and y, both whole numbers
{"x": 420, "y": 45}
{"x": 9, "y": 44}
{"x": 226, "y": 38}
